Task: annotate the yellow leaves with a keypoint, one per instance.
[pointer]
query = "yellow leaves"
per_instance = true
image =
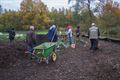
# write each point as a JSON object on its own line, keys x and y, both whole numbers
{"x": 116, "y": 11}
{"x": 110, "y": 8}
{"x": 69, "y": 16}
{"x": 26, "y": 5}
{"x": 34, "y": 12}
{"x": 47, "y": 20}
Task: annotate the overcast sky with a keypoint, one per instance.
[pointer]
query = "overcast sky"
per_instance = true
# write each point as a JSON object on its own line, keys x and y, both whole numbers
{"x": 15, "y": 4}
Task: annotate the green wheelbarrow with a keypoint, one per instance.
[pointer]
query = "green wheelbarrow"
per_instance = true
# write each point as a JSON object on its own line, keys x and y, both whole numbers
{"x": 45, "y": 52}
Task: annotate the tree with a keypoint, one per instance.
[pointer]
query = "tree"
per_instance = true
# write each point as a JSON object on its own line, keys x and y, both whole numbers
{"x": 34, "y": 13}
{"x": 80, "y": 4}
{"x": 1, "y": 9}
{"x": 10, "y": 19}
{"x": 110, "y": 17}
{"x": 61, "y": 17}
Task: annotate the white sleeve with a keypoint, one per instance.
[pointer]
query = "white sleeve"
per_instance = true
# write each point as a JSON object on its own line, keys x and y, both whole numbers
{"x": 69, "y": 31}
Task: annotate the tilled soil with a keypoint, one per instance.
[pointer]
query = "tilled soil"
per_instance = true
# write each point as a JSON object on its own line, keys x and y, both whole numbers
{"x": 72, "y": 64}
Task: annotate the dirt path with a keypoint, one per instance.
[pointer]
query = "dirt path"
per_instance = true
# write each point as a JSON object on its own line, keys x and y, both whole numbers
{"x": 73, "y": 64}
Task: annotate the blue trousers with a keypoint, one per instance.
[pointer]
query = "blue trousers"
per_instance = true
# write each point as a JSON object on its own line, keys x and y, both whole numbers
{"x": 70, "y": 41}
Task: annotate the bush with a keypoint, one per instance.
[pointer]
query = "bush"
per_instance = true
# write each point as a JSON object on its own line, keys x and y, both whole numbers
{"x": 1, "y": 27}
{"x": 115, "y": 31}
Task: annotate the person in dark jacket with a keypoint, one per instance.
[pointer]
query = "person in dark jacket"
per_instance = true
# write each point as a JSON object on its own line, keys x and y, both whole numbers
{"x": 93, "y": 34}
{"x": 31, "y": 39}
{"x": 52, "y": 34}
{"x": 11, "y": 35}
{"x": 78, "y": 32}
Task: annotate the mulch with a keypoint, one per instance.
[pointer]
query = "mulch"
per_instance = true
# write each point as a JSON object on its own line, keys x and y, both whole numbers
{"x": 72, "y": 64}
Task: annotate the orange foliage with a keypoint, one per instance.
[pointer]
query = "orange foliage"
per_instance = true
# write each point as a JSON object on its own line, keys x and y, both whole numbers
{"x": 116, "y": 11}
{"x": 109, "y": 7}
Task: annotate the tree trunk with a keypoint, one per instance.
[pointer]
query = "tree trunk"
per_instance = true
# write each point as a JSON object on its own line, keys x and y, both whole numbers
{"x": 90, "y": 12}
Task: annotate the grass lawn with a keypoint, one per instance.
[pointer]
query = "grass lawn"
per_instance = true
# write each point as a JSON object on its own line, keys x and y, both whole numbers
{"x": 20, "y": 35}
{"x": 42, "y": 32}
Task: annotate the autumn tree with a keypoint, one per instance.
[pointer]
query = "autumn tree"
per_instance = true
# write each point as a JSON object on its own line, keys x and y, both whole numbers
{"x": 109, "y": 18}
{"x": 1, "y": 9}
{"x": 10, "y": 19}
{"x": 34, "y": 12}
{"x": 83, "y": 4}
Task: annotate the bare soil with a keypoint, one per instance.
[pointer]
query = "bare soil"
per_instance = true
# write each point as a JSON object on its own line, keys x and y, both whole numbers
{"x": 72, "y": 64}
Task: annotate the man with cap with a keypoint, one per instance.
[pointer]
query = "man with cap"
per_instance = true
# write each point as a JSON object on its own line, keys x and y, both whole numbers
{"x": 31, "y": 39}
{"x": 93, "y": 35}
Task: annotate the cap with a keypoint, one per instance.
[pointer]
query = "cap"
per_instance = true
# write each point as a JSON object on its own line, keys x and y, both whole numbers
{"x": 93, "y": 24}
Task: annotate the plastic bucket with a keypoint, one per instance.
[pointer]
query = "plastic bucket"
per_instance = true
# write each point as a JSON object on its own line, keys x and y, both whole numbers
{"x": 73, "y": 45}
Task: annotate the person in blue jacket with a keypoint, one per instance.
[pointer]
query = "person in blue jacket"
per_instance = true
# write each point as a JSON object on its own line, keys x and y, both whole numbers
{"x": 52, "y": 34}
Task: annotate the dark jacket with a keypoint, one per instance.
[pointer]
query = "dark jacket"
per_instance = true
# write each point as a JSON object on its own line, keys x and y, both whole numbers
{"x": 77, "y": 32}
{"x": 11, "y": 34}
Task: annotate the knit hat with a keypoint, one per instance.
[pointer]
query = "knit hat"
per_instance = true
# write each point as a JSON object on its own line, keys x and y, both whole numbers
{"x": 32, "y": 27}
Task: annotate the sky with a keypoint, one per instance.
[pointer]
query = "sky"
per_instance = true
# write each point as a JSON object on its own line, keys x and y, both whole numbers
{"x": 15, "y": 4}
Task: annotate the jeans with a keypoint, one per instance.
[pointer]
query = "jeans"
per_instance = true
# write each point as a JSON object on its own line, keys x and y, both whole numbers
{"x": 94, "y": 44}
{"x": 70, "y": 41}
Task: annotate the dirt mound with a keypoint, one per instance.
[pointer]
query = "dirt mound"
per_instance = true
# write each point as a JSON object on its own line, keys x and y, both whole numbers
{"x": 41, "y": 39}
{"x": 10, "y": 53}
{"x": 72, "y": 64}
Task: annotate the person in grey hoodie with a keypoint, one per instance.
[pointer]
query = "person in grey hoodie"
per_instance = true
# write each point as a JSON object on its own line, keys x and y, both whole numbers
{"x": 93, "y": 35}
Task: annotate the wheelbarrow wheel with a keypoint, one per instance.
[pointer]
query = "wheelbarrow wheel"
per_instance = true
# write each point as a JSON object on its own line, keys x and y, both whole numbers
{"x": 38, "y": 60}
{"x": 47, "y": 61}
{"x": 54, "y": 57}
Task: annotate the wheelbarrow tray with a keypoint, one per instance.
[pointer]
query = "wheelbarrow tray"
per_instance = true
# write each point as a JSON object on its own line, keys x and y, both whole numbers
{"x": 44, "y": 50}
